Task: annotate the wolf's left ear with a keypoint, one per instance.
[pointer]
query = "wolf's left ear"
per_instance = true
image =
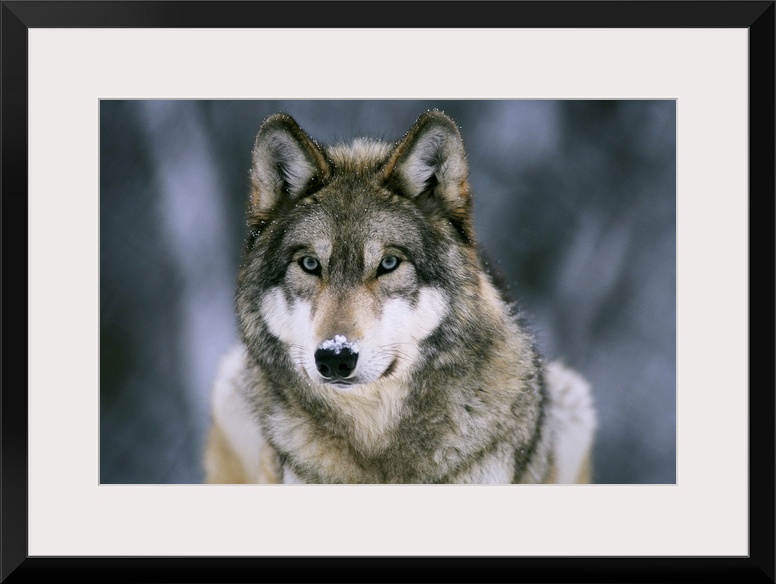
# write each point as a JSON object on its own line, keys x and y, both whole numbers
{"x": 430, "y": 159}
{"x": 285, "y": 162}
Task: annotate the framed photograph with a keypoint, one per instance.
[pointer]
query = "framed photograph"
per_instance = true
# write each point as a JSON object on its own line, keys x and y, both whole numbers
{"x": 619, "y": 155}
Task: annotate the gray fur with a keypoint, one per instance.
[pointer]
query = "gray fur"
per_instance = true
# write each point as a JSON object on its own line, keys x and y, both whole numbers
{"x": 467, "y": 402}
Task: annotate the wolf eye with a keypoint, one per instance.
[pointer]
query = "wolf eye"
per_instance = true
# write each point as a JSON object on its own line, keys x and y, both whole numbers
{"x": 310, "y": 265}
{"x": 389, "y": 264}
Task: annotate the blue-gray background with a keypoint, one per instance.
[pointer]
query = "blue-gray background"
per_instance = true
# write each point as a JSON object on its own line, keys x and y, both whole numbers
{"x": 574, "y": 204}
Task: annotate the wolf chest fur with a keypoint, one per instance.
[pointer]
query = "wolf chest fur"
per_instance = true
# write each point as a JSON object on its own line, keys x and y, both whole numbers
{"x": 375, "y": 347}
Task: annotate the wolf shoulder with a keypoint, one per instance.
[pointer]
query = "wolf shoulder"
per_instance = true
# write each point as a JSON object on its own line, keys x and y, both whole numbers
{"x": 236, "y": 451}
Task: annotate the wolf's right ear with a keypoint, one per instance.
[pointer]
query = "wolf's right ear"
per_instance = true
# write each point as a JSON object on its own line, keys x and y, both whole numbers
{"x": 285, "y": 162}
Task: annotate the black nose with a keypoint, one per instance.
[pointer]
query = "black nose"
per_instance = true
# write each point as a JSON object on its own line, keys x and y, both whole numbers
{"x": 335, "y": 364}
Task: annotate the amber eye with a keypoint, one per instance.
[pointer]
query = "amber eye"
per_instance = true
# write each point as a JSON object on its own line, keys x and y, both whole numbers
{"x": 310, "y": 265}
{"x": 389, "y": 264}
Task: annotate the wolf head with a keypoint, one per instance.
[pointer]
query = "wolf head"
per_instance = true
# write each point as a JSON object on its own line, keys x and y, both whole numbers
{"x": 357, "y": 255}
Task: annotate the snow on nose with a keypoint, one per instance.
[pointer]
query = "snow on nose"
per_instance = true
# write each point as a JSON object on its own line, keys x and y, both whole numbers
{"x": 337, "y": 344}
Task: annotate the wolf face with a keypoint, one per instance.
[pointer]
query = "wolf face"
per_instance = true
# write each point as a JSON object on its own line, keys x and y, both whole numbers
{"x": 356, "y": 254}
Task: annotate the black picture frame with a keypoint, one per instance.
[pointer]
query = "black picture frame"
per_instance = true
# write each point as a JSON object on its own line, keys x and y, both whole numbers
{"x": 756, "y": 16}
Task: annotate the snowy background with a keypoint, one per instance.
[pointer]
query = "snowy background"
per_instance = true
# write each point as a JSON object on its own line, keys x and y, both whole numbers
{"x": 574, "y": 204}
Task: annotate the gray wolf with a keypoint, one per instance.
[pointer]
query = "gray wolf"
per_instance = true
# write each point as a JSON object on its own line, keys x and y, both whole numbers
{"x": 375, "y": 347}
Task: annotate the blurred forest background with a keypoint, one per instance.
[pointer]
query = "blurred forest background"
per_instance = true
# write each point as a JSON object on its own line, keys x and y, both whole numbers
{"x": 574, "y": 204}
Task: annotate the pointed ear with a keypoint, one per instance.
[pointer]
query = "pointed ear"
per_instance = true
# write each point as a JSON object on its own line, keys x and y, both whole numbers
{"x": 430, "y": 160}
{"x": 286, "y": 162}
